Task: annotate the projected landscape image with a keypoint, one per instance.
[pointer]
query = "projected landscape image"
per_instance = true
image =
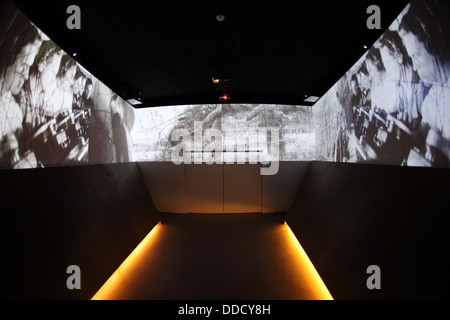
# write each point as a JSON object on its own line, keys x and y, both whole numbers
{"x": 154, "y": 127}
{"x": 52, "y": 110}
{"x": 393, "y": 106}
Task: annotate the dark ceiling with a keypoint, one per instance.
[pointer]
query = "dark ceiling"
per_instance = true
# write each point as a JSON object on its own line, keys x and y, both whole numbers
{"x": 168, "y": 51}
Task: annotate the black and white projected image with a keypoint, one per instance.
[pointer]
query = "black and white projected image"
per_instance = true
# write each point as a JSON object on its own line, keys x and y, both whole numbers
{"x": 293, "y": 123}
{"x": 393, "y": 106}
{"x": 44, "y": 100}
{"x": 154, "y": 128}
{"x": 48, "y": 101}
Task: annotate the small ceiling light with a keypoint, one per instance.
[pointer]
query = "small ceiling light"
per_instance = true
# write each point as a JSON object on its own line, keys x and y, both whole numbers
{"x": 74, "y": 54}
{"x": 312, "y": 99}
{"x": 224, "y": 97}
{"x": 220, "y": 17}
{"x": 217, "y": 80}
{"x": 365, "y": 47}
{"x": 134, "y": 102}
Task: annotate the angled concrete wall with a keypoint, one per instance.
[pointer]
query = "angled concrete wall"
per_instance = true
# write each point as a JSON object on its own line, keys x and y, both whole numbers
{"x": 92, "y": 216}
{"x": 227, "y": 188}
{"x": 350, "y": 216}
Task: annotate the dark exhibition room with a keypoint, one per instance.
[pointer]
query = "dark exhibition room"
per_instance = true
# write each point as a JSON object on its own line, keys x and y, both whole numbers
{"x": 225, "y": 150}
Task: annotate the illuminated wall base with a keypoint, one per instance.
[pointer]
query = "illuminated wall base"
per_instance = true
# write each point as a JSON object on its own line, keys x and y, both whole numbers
{"x": 312, "y": 277}
{"x": 292, "y": 271}
{"x": 119, "y": 278}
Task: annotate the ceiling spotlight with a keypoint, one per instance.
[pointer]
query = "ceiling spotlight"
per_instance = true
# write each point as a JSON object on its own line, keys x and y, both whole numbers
{"x": 135, "y": 99}
{"x": 74, "y": 54}
{"x": 220, "y": 17}
{"x": 224, "y": 97}
{"x": 134, "y": 102}
{"x": 365, "y": 47}
{"x": 217, "y": 80}
{"x": 312, "y": 99}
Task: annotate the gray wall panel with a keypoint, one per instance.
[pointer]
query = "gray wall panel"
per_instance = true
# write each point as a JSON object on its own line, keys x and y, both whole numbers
{"x": 90, "y": 216}
{"x": 350, "y": 216}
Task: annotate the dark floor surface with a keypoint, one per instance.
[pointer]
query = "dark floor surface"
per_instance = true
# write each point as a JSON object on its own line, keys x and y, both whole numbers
{"x": 216, "y": 257}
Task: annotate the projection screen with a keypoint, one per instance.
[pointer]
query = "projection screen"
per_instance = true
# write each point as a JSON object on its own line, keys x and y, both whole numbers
{"x": 52, "y": 110}
{"x": 245, "y": 132}
{"x": 393, "y": 106}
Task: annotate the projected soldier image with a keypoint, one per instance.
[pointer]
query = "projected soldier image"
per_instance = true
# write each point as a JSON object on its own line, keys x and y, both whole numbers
{"x": 392, "y": 106}
{"x": 18, "y": 51}
{"x": 47, "y": 100}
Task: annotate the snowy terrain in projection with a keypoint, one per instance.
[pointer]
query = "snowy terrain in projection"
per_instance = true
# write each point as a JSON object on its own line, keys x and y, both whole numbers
{"x": 393, "y": 105}
{"x": 153, "y": 129}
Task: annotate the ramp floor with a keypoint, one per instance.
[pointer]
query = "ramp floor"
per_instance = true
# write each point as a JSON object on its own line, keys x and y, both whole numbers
{"x": 217, "y": 257}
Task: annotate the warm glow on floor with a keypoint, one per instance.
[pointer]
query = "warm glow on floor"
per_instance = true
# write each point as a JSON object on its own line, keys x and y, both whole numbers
{"x": 128, "y": 266}
{"x": 300, "y": 274}
{"x": 314, "y": 280}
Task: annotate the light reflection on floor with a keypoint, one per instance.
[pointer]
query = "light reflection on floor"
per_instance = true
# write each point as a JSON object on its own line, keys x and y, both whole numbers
{"x": 255, "y": 261}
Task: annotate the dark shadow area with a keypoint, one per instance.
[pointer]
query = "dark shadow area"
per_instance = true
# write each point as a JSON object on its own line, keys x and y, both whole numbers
{"x": 89, "y": 216}
{"x": 350, "y": 216}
